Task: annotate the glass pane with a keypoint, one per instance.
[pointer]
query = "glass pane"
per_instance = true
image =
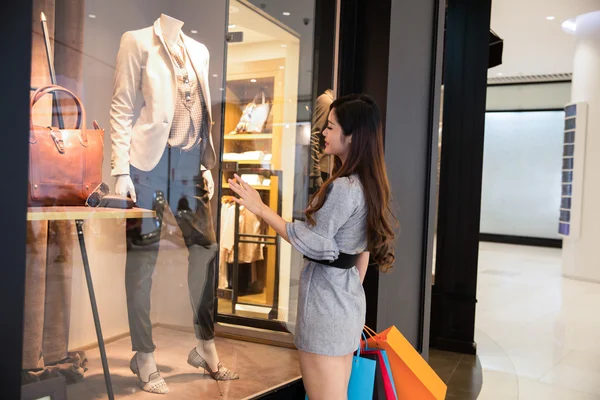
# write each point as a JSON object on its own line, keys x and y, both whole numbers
{"x": 266, "y": 140}
{"x": 158, "y": 104}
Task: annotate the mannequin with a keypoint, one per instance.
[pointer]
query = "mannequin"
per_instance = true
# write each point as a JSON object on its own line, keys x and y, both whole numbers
{"x": 168, "y": 152}
{"x": 171, "y": 29}
{"x": 319, "y": 162}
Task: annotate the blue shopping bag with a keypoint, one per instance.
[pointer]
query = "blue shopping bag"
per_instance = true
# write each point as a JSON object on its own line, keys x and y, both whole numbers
{"x": 362, "y": 378}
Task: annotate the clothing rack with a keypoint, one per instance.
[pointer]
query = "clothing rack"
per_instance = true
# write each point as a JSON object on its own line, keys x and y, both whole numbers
{"x": 266, "y": 240}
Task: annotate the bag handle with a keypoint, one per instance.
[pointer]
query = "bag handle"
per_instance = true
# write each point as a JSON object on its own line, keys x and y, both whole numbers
{"x": 42, "y": 91}
{"x": 372, "y": 334}
{"x": 264, "y": 99}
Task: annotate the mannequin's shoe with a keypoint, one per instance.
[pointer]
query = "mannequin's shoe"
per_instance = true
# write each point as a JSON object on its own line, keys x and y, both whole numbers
{"x": 156, "y": 384}
{"x": 221, "y": 374}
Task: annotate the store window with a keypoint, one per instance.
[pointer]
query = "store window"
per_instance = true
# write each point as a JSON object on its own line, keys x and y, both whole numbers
{"x": 137, "y": 258}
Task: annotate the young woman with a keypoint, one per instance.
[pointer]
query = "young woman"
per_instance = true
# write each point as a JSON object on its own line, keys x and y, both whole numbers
{"x": 348, "y": 219}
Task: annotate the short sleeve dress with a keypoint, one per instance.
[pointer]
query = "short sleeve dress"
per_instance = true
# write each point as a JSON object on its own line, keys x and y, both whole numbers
{"x": 331, "y": 301}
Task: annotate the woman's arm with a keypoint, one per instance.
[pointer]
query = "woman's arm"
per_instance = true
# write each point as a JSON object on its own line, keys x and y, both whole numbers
{"x": 362, "y": 264}
{"x": 274, "y": 221}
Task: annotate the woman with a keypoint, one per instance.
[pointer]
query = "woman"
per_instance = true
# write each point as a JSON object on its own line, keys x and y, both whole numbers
{"x": 348, "y": 220}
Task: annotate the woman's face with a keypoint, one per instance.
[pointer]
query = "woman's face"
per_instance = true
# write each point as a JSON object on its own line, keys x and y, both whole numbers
{"x": 336, "y": 143}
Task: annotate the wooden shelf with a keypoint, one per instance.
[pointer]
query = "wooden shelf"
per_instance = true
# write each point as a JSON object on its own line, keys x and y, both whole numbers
{"x": 257, "y": 187}
{"x": 250, "y": 162}
{"x": 86, "y": 213}
{"x": 249, "y": 136}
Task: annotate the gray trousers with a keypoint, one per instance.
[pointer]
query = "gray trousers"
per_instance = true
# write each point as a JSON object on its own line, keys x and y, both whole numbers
{"x": 178, "y": 177}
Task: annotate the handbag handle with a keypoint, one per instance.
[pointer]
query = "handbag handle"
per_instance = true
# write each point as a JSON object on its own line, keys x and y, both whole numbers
{"x": 264, "y": 100}
{"x": 42, "y": 91}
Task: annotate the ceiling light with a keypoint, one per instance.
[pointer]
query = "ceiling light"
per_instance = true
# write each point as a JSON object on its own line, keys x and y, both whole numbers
{"x": 550, "y": 18}
{"x": 281, "y": 67}
{"x": 499, "y": 74}
{"x": 570, "y": 26}
{"x": 253, "y": 80}
{"x": 284, "y": 45}
{"x": 193, "y": 31}
{"x": 287, "y": 14}
{"x": 92, "y": 16}
{"x": 232, "y": 26}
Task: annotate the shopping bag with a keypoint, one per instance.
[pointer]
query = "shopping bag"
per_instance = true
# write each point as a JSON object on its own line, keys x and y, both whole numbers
{"x": 383, "y": 389}
{"x": 389, "y": 370}
{"x": 413, "y": 377}
{"x": 362, "y": 377}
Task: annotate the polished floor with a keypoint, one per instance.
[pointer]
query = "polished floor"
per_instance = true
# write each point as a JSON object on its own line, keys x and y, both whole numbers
{"x": 537, "y": 332}
{"x": 260, "y": 367}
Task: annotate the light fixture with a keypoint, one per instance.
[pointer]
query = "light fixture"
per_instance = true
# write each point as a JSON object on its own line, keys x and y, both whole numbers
{"x": 193, "y": 31}
{"x": 570, "y": 26}
{"x": 232, "y": 26}
{"x": 500, "y": 74}
{"x": 551, "y": 18}
{"x": 281, "y": 67}
{"x": 284, "y": 45}
{"x": 253, "y": 80}
{"x": 92, "y": 16}
{"x": 287, "y": 14}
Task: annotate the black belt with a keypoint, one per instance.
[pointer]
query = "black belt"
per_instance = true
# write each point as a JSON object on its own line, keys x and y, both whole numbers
{"x": 344, "y": 261}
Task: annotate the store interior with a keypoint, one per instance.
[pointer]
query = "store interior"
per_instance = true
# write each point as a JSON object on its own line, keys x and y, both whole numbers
{"x": 533, "y": 340}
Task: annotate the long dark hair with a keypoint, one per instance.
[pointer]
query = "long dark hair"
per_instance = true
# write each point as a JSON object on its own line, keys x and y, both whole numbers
{"x": 358, "y": 115}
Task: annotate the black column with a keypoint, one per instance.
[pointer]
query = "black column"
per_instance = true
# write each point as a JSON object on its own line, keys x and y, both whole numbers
{"x": 363, "y": 68}
{"x": 465, "y": 79}
{"x": 15, "y": 69}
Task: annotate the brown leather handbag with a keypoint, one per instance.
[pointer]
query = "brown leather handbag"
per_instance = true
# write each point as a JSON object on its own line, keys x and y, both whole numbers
{"x": 65, "y": 165}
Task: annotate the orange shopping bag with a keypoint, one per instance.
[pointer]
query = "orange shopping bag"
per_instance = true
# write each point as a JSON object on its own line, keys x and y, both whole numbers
{"x": 413, "y": 377}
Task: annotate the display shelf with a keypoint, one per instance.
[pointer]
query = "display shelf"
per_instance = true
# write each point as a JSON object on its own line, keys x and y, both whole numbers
{"x": 58, "y": 213}
{"x": 249, "y": 136}
{"x": 257, "y": 187}
{"x": 251, "y": 162}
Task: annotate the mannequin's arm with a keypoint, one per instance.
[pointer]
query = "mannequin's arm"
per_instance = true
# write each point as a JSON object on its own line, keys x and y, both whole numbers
{"x": 210, "y": 183}
{"x": 124, "y": 186}
{"x": 127, "y": 82}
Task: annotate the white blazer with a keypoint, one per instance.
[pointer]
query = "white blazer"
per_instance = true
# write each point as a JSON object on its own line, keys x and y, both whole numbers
{"x": 145, "y": 67}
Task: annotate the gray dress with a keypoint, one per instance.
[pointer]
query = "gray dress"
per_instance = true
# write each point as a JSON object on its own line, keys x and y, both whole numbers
{"x": 331, "y": 301}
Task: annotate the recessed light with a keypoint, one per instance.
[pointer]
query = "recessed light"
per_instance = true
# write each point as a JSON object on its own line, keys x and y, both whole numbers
{"x": 551, "y": 18}
{"x": 281, "y": 67}
{"x": 499, "y": 74}
{"x": 284, "y": 45}
{"x": 193, "y": 31}
{"x": 287, "y": 14}
{"x": 232, "y": 26}
{"x": 92, "y": 16}
{"x": 253, "y": 80}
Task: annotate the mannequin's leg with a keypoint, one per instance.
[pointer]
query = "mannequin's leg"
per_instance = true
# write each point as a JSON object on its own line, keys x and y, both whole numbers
{"x": 201, "y": 283}
{"x": 138, "y": 283}
{"x": 140, "y": 264}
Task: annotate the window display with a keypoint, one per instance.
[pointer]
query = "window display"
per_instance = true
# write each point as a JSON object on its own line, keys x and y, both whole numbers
{"x": 138, "y": 260}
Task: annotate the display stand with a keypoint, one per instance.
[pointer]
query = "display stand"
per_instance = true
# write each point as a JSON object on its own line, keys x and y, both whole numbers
{"x": 80, "y": 215}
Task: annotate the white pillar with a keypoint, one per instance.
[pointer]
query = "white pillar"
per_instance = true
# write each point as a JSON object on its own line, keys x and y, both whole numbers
{"x": 581, "y": 252}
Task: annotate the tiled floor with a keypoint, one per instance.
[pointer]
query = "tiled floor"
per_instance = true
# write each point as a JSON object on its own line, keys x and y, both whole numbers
{"x": 260, "y": 367}
{"x": 461, "y": 373}
{"x": 537, "y": 332}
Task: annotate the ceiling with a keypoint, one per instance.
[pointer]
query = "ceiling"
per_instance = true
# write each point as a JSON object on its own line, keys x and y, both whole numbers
{"x": 534, "y": 45}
